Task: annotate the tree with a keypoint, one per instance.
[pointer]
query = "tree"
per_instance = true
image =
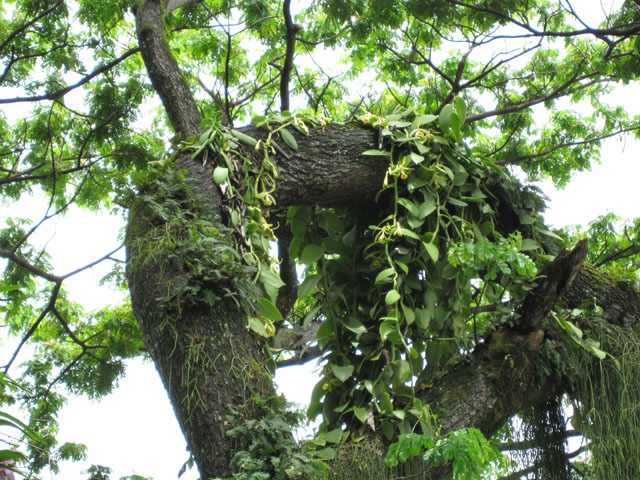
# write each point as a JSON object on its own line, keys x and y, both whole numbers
{"x": 432, "y": 289}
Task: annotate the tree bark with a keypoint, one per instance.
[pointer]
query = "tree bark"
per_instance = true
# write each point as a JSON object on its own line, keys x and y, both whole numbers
{"x": 208, "y": 360}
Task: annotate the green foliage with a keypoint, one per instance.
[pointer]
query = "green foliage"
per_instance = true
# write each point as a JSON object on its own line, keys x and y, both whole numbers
{"x": 398, "y": 286}
{"x": 270, "y": 451}
{"x": 11, "y": 457}
{"x": 100, "y": 472}
{"x": 401, "y": 291}
{"x": 469, "y": 452}
{"x": 606, "y": 411}
{"x": 615, "y": 245}
{"x": 186, "y": 237}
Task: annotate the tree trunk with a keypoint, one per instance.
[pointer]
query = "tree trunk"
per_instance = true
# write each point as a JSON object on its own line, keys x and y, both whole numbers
{"x": 208, "y": 360}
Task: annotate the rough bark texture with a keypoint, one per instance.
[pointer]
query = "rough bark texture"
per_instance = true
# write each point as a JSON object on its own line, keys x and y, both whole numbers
{"x": 499, "y": 379}
{"x": 328, "y": 168}
{"x": 208, "y": 360}
{"x": 164, "y": 73}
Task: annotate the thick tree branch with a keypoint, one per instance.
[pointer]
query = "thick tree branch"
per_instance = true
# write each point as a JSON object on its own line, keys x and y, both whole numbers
{"x": 496, "y": 380}
{"x": 163, "y": 70}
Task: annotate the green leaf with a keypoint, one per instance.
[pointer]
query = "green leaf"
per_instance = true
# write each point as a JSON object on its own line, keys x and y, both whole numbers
{"x": 445, "y": 118}
{"x": 327, "y": 453}
{"x": 269, "y": 310}
{"x": 460, "y": 178}
{"x": 385, "y": 402}
{"x": 244, "y": 138}
{"x": 361, "y": 413}
{"x": 548, "y": 233}
{"x": 457, "y": 203}
{"x": 399, "y": 414}
{"x": 9, "y": 288}
{"x": 311, "y": 254}
{"x": 376, "y": 153}
{"x": 334, "y": 436}
{"x": 220, "y": 175}
{"x": 402, "y": 371}
{"x": 11, "y": 455}
{"x": 409, "y": 205}
{"x": 422, "y": 318}
{"x": 426, "y": 119}
{"x": 391, "y": 297}
{"x": 416, "y": 159}
{"x": 308, "y": 285}
{"x": 529, "y": 244}
{"x": 385, "y": 275}
{"x": 409, "y": 314}
{"x": 268, "y": 278}
{"x": 311, "y": 316}
{"x": 426, "y": 208}
{"x": 355, "y": 326}
{"x": 289, "y": 139}
{"x": 432, "y": 250}
{"x": 342, "y": 373}
{"x": 461, "y": 109}
{"x": 258, "y": 327}
{"x": 389, "y": 331}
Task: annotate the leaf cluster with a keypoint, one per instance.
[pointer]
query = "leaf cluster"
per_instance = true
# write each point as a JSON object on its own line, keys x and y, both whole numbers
{"x": 397, "y": 289}
{"x": 270, "y": 451}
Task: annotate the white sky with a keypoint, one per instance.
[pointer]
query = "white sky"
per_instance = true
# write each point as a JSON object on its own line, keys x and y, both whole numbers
{"x": 134, "y": 430}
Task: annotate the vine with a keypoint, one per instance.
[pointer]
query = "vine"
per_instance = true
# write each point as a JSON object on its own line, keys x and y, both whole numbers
{"x": 401, "y": 293}
{"x": 248, "y": 190}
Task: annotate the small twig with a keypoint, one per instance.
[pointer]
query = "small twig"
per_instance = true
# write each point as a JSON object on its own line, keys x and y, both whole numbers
{"x": 285, "y": 74}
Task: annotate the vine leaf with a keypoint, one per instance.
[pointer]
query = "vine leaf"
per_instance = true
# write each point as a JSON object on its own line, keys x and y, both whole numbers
{"x": 220, "y": 175}
{"x": 432, "y": 250}
{"x": 289, "y": 139}
{"x": 311, "y": 253}
{"x": 269, "y": 310}
{"x": 308, "y": 285}
{"x": 342, "y": 373}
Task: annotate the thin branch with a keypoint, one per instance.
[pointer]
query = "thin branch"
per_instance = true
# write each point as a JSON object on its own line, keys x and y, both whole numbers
{"x": 324, "y": 40}
{"x": 596, "y": 32}
{"x": 526, "y": 445}
{"x": 305, "y": 356}
{"x": 20, "y": 30}
{"x": 21, "y": 262}
{"x": 624, "y": 253}
{"x": 92, "y": 264}
{"x": 514, "y": 161}
{"x": 62, "y": 92}
{"x": 285, "y": 74}
{"x": 561, "y": 91}
{"x": 52, "y": 300}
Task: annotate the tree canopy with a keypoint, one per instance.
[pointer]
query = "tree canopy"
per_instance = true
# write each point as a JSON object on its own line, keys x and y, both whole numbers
{"x": 386, "y": 150}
